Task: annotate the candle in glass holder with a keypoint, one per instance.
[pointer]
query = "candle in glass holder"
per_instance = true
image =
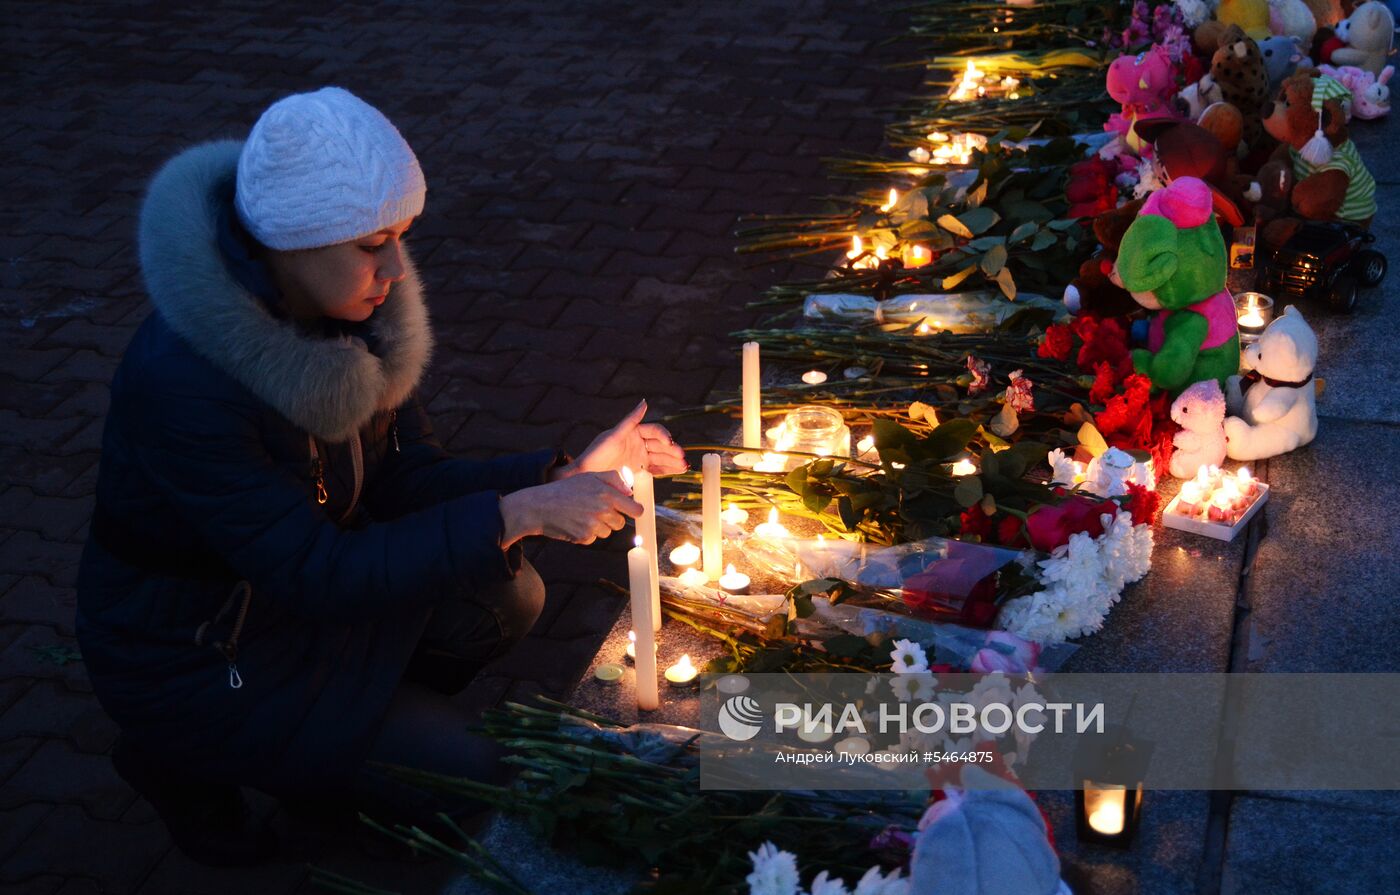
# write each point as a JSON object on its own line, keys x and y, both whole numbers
{"x": 1188, "y": 502}
{"x": 682, "y": 674}
{"x": 735, "y": 515}
{"x": 1253, "y": 311}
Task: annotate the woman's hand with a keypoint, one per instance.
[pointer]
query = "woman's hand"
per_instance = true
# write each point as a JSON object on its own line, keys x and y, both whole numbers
{"x": 630, "y": 443}
{"x": 578, "y": 509}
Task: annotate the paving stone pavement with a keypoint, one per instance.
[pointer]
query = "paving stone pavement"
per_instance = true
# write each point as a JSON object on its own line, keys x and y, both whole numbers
{"x": 586, "y": 165}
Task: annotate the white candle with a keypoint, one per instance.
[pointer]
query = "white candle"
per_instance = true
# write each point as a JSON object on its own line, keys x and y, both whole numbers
{"x": 814, "y": 377}
{"x": 735, "y": 515}
{"x": 639, "y": 580}
{"x": 682, "y": 674}
{"x": 711, "y": 547}
{"x": 964, "y": 467}
{"x": 645, "y": 494}
{"x": 734, "y": 581}
{"x": 732, "y": 684}
{"x": 686, "y": 554}
{"x": 694, "y": 578}
{"x": 753, "y": 425}
{"x": 1107, "y": 818}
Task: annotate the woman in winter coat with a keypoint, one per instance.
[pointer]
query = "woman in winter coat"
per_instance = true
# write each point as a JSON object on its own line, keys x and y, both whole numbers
{"x": 287, "y": 576}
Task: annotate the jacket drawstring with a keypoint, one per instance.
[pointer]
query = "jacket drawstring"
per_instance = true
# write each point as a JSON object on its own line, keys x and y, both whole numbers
{"x": 229, "y": 647}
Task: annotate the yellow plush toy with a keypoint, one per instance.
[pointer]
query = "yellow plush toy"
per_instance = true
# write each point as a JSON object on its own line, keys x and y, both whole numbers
{"x": 1251, "y": 15}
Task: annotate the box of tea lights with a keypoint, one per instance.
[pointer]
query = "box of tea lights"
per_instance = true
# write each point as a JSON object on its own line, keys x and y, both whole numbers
{"x": 1216, "y": 503}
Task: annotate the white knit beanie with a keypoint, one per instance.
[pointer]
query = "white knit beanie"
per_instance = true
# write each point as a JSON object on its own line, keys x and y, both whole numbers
{"x": 324, "y": 167}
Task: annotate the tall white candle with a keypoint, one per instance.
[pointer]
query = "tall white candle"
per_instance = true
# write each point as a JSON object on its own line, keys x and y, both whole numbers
{"x": 639, "y": 580}
{"x": 711, "y": 550}
{"x": 753, "y": 420}
{"x": 645, "y": 494}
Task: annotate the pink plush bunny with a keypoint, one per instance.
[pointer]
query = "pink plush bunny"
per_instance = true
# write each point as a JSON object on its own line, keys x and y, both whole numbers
{"x": 1200, "y": 411}
{"x": 1370, "y": 95}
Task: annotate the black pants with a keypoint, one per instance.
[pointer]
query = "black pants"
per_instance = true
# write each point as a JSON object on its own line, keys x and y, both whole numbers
{"x": 425, "y": 727}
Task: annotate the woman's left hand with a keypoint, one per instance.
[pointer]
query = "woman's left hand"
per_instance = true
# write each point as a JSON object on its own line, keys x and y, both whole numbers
{"x": 632, "y": 443}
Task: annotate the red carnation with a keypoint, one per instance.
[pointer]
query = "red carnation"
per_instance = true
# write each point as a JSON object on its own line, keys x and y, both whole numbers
{"x": 1144, "y": 503}
{"x": 1105, "y": 383}
{"x": 1058, "y": 342}
{"x": 1108, "y": 341}
{"x": 1009, "y": 532}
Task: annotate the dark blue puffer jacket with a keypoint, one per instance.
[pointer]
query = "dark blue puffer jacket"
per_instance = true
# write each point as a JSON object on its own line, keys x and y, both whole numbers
{"x": 208, "y": 479}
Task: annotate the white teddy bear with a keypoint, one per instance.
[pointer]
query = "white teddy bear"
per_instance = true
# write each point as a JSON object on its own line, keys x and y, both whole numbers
{"x": 1200, "y": 412}
{"x": 1277, "y": 412}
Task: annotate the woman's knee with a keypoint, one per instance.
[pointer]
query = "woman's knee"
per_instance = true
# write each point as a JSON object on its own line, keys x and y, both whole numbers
{"x": 521, "y": 604}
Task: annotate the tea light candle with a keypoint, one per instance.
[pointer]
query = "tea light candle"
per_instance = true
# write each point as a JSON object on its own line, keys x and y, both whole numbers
{"x": 866, "y": 444}
{"x": 1222, "y": 508}
{"x": 753, "y": 425}
{"x": 1246, "y": 482}
{"x": 1253, "y": 311}
{"x": 735, "y": 515}
{"x": 853, "y": 746}
{"x": 686, "y": 554}
{"x": 608, "y": 672}
{"x": 1189, "y": 500}
{"x": 732, "y": 684}
{"x": 712, "y": 551}
{"x": 733, "y": 581}
{"x": 814, "y": 733}
{"x": 814, "y": 377}
{"x": 964, "y": 467}
{"x": 632, "y": 646}
{"x": 1108, "y": 818}
{"x": 682, "y": 674}
{"x": 694, "y": 578}
{"x": 772, "y": 529}
{"x": 917, "y": 256}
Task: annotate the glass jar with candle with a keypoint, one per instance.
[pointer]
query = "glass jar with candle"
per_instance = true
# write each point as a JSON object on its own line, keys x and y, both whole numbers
{"x": 1253, "y": 311}
{"x": 814, "y": 429}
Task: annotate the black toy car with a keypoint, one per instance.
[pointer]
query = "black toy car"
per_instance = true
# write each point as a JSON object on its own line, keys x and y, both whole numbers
{"x": 1325, "y": 260}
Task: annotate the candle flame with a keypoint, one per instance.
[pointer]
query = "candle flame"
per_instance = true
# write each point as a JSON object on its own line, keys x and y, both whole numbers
{"x": 893, "y": 200}
{"x": 637, "y": 541}
{"x": 628, "y": 478}
{"x": 632, "y": 636}
{"x": 730, "y": 570}
{"x": 964, "y": 467}
{"x": 865, "y": 444}
{"x": 773, "y": 516}
{"x": 923, "y": 329}
{"x": 684, "y": 664}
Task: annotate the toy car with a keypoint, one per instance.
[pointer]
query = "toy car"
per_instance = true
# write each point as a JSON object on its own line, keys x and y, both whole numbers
{"x": 1325, "y": 260}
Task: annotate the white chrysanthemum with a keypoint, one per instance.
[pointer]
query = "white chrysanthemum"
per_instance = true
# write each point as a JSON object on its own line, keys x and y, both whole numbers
{"x": 825, "y": 884}
{"x": 1075, "y": 564}
{"x": 1054, "y": 615}
{"x": 1061, "y": 468}
{"x": 908, "y": 658}
{"x": 876, "y": 883}
{"x": 1148, "y": 181}
{"x": 914, "y": 687}
{"x": 774, "y": 871}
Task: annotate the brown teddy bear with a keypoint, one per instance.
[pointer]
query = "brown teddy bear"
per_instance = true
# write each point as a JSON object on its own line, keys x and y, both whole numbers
{"x": 1094, "y": 293}
{"x": 1238, "y": 67}
{"x": 1331, "y": 181}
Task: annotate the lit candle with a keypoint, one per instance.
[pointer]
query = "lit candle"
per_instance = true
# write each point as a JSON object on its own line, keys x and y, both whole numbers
{"x": 735, "y": 515}
{"x": 645, "y": 494}
{"x": 712, "y": 551}
{"x": 964, "y": 467}
{"x": 632, "y": 646}
{"x": 733, "y": 581}
{"x": 686, "y": 554}
{"x": 814, "y": 733}
{"x": 1246, "y": 483}
{"x": 682, "y": 674}
{"x": 866, "y": 444}
{"x": 893, "y": 200}
{"x": 853, "y": 746}
{"x": 1222, "y": 508}
{"x": 814, "y": 377}
{"x": 857, "y": 248}
{"x": 694, "y": 578}
{"x": 923, "y": 329}
{"x": 917, "y": 256}
{"x": 1189, "y": 500}
{"x": 772, "y": 529}
{"x": 1107, "y": 818}
{"x": 753, "y": 422}
{"x": 639, "y": 581}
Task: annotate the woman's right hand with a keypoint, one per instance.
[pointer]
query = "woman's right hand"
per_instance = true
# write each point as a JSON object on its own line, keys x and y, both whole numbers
{"x": 579, "y": 509}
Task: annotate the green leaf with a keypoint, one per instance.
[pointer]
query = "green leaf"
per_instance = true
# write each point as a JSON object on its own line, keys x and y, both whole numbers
{"x": 1026, "y": 210}
{"x": 797, "y": 480}
{"x": 994, "y": 260}
{"x": 979, "y": 220}
{"x": 821, "y": 468}
{"x": 1043, "y": 240}
{"x": 1024, "y": 231}
{"x": 846, "y": 509}
{"x": 913, "y": 231}
{"x": 1064, "y": 224}
{"x": 803, "y": 606}
{"x": 949, "y": 438}
{"x": 1007, "y": 283}
{"x": 889, "y": 434}
{"x": 821, "y": 585}
{"x": 968, "y": 490}
{"x": 953, "y": 225}
{"x": 951, "y": 281}
{"x": 1021, "y": 457}
{"x": 816, "y": 501}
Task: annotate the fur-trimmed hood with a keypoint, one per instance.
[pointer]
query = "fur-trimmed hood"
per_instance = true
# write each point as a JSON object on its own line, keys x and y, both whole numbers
{"x": 328, "y": 386}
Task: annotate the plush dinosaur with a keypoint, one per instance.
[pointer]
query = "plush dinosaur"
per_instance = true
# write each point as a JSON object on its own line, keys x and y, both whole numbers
{"x": 1173, "y": 261}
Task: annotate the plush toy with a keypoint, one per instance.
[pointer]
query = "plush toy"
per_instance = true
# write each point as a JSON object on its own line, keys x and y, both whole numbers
{"x": 1193, "y": 99}
{"x": 1173, "y": 260}
{"x": 1238, "y": 67}
{"x": 1200, "y": 412}
{"x": 1182, "y": 149}
{"x": 1277, "y": 409}
{"x": 1094, "y": 293}
{"x": 1327, "y": 13}
{"x": 1142, "y": 84}
{"x": 1292, "y": 18}
{"x": 1368, "y": 33}
{"x": 1369, "y": 96}
{"x": 985, "y": 838}
{"x": 1252, "y": 16}
{"x": 1282, "y": 57}
{"x": 1226, "y": 123}
{"x": 1331, "y": 181}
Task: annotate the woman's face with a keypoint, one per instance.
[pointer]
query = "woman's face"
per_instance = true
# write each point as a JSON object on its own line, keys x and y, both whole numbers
{"x": 345, "y": 281}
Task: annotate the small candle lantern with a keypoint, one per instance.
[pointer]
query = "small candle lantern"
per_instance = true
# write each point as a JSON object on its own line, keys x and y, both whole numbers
{"x": 1109, "y": 774}
{"x": 1253, "y": 311}
{"x": 682, "y": 674}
